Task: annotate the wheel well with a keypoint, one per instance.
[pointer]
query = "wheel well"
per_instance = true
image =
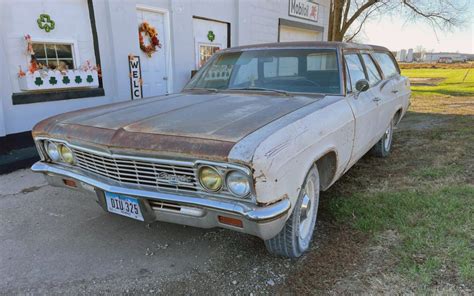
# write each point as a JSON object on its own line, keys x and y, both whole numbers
{"x": 327, "y": 166}
{"x": 398, "y": 116}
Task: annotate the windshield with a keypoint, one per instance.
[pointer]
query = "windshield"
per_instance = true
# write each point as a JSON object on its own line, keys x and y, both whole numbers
{"x": 286, "y": 70}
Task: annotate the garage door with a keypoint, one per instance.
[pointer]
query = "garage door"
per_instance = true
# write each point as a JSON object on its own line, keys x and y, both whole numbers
{"x": 288, "y": 33}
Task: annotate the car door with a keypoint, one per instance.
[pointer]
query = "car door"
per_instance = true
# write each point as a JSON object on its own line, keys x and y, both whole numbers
{"x": 363, "y": 105}
{"x": 382, "y": 96}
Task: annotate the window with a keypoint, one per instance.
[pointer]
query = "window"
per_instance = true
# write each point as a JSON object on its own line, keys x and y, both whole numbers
{"x": 372, "y": 71}
{"x": 321, "y": 61}
{"x": 282, "y": 66}
{"x": 354, "y": 65}
{"x": 53, "y": 54}
{"x": 292, "y": 70}
{"x": 386, "y": 63}
{"x": 205, "y": 53}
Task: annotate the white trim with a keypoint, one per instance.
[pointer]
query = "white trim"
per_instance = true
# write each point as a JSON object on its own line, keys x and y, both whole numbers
{"x": 169, "y": 64}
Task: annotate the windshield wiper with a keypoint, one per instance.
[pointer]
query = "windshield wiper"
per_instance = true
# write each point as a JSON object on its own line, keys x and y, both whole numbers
{"x": 264, "y": 89}
{"x": 203, "y": 88}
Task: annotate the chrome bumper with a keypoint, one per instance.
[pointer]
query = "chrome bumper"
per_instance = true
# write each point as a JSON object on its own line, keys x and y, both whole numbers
{"x": 262, "y": 221}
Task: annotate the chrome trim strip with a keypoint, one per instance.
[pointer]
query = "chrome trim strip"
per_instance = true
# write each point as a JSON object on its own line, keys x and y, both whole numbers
{"x": 248, "y": 211}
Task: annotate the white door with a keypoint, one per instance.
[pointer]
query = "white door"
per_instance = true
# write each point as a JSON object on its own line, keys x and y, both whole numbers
{"x": 209, "y": 37}
{"x": 364, "y": 108}
{"x": 288, "y": 34}
{"x": 154, "y": 68}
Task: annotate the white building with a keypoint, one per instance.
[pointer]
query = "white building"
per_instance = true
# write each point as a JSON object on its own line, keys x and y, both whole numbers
{"x": 443, "y": 57}
{"x": 83, "y": 33}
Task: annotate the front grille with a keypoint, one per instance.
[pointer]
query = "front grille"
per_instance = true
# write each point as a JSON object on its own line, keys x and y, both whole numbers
{"x": 160, "y": 175}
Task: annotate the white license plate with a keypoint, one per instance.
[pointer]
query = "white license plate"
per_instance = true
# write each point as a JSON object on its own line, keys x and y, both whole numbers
{"x": 123, "y": 205}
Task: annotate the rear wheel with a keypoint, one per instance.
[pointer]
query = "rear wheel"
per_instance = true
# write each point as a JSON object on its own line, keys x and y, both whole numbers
{"x": 384, "y": 145}
{"x": 295, "y": 237}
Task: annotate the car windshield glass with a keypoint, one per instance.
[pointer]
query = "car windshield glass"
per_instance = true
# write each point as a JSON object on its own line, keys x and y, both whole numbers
{"x": 285, "y": 70}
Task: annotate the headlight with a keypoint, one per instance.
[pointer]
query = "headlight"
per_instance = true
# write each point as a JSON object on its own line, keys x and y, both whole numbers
{"x": 52, "y": 150}
{"x": 210, "y": 178}
{"x": 66, "y": 154}
{"x": 238, "y": 183}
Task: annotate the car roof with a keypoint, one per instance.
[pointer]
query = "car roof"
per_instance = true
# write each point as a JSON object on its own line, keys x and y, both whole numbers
{"x": 315, "y": 44}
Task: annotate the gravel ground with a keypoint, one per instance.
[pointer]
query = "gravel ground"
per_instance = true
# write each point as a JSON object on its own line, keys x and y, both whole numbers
{"x": 58, "y": 241}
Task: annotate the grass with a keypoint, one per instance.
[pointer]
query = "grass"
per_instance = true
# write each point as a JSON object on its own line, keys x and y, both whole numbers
{"x": 424, "y": 192}
{"x": 455, "y": 82}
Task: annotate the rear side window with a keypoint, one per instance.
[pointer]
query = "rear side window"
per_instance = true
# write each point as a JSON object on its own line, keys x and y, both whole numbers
{"x": 354, "y": 65}
{"x": 386, "y": 63}
{"x": 372, "y": 72}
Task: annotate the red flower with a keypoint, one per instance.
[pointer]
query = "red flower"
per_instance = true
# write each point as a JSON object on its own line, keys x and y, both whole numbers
{"x": 155, "y": 41}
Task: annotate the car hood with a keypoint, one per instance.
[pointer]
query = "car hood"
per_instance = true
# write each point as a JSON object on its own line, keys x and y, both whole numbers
{"x": 192, "y": 124}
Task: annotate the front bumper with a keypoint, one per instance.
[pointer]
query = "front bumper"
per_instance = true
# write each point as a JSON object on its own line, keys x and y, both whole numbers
{"x": 262, "y": 221}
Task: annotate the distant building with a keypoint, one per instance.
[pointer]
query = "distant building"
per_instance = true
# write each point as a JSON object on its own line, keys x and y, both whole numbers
{"x": 409, "y": 56}
{"x": 401, "y": 55}
{"x": 444, "y": 57}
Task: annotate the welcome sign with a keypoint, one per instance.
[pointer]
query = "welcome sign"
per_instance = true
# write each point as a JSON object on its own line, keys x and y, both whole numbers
{"x": 304, "y": 9}
{"x": 135, "y": 77}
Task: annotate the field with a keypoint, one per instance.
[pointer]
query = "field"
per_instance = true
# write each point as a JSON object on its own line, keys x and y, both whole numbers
{"x": 404, "y": 224}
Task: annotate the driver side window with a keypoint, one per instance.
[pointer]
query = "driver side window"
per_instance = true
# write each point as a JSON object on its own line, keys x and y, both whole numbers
{"x": 355, "y": 67}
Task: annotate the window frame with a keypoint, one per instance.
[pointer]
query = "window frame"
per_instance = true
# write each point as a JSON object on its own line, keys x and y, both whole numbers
{"x": 355, "y": 52}
{"x": 339, "y": 62}
{"x": 75, "y": 50}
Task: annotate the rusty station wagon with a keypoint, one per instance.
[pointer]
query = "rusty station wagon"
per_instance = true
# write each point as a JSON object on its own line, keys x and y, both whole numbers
{"x": 247, "y": 145}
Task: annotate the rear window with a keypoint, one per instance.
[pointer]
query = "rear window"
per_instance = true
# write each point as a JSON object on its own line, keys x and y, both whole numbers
{"x": 386, "y": 63}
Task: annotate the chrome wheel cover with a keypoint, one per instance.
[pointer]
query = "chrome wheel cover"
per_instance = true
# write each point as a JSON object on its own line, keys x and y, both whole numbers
{"x": 387, "y": 138}
{"x": 307, "y": 217}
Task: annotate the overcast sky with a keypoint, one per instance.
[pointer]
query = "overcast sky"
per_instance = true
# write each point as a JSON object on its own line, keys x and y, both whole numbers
{"x": 395, "y": 34}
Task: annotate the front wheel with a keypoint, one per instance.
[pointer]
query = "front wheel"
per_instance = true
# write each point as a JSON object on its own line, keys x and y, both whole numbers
{"x": 295, "y": 237}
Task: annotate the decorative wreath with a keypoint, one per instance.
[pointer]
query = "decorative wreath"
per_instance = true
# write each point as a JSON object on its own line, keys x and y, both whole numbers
{"x": 152, "y": 37}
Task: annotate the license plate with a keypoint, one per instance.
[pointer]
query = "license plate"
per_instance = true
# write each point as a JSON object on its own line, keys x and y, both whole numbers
{"x": 123, "y": 205}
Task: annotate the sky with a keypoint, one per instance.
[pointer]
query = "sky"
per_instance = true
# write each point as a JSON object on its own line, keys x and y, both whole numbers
{"x": 396, "y": 34}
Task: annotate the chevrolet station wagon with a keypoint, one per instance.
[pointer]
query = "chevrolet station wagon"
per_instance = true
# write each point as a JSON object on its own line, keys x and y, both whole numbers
{"x": 247, "y": 145}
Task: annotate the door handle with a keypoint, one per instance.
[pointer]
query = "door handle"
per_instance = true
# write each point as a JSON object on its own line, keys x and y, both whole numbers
{"x": 165, "y": 78}
{"x": 376, "y": 99}
{"x": 394, "y": 91}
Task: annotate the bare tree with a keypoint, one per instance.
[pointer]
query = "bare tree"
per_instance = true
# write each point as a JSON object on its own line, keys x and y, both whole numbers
{"x": 347, "y": 17}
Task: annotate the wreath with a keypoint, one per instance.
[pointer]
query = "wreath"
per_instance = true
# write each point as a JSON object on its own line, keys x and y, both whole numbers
{"x": 152, "y": 37}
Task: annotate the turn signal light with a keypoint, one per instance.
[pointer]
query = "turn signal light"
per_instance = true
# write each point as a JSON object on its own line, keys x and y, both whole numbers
{"x": 231, "y": 221}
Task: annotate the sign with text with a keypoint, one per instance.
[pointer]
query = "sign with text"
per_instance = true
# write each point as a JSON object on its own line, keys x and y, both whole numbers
{"x": 304, "y": 9}
{"x": 135, "y": 77}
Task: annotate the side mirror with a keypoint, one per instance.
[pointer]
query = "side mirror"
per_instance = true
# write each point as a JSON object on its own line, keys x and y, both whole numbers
{"x": 362, "y": 85}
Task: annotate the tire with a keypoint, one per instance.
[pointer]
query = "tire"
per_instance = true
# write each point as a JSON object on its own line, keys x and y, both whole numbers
{"x": 384, "y": 145}
{"x": 295, "y": 237}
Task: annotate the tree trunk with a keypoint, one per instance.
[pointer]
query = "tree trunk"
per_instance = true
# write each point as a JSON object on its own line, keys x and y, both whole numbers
{"x": 335, "y": 20}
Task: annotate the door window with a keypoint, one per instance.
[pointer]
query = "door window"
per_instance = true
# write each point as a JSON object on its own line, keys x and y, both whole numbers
{"x": 355, "y": 67}
{"x": 372, "y": 71}
{"x": 386, "y": 63}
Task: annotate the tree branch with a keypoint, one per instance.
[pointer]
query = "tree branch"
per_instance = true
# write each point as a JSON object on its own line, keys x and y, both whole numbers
{"x": 356, "y": 14}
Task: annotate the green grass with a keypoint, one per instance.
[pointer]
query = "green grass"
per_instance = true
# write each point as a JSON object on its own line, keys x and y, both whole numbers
{"x": 435, "y": 227}
{"x": 424, "y": 192}
{"x": 456, "y": 82}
